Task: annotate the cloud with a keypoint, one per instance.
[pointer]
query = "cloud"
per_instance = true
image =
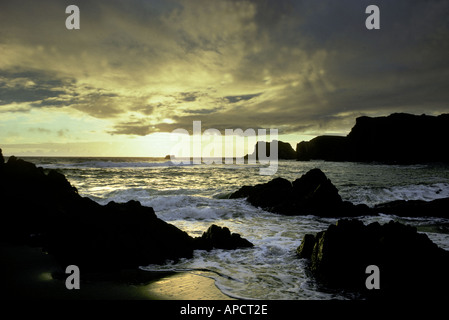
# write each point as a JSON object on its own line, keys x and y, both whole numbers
{"x": 234, "y": 99}
{"x": 137, "y": 128}
{"x": 201, "y": 111}
{"x": 188, "y": 96}
{"x": 30, "y": 86}
{"x": 62, "y": 132}
{"x": 153, "y": 66}
{"x": 40, "y": 130}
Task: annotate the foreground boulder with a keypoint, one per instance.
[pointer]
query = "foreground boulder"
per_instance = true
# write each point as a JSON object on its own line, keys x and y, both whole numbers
{"x": 410, "y": 264}
{"x": 43, "y": 209}
{"x": 312, "y": 193}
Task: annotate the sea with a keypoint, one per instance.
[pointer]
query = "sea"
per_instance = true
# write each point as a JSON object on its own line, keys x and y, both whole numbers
{"x": 194, "y": 196}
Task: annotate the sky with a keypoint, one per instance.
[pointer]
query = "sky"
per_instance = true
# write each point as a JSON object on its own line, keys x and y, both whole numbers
{"x": 137, "y": 70}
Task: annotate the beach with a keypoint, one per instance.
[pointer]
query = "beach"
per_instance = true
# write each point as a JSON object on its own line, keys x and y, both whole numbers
{"x": 192, "y": 198}
{"x": 26, "y": 274}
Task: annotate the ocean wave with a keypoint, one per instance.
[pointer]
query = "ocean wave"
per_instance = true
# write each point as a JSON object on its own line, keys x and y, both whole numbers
{"x": 113, "y": 164}
{"x": 376, "y": 195}
{"x": 249, "y": 273}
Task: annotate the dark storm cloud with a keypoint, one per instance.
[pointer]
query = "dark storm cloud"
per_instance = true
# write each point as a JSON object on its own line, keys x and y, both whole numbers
{"x": 40, "y": 89}
{"x": 30, "y": 86}
{"x": 47, "y": 90}
{"x": 300, "y": 66}
{"x": 234, "y": 99}
{"x": 146, "y": 109}
{"x": 99, "y": 104}
{"x": 135, "y": 128}
{"x": 188, "y": 96}
{"x": 201, "y": 111}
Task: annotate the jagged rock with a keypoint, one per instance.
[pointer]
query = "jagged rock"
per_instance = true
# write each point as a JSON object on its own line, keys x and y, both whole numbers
{"x": 305, "y": 249}
{"x": 409, "y": 263}
{"x": 312, "y": 193}
{"x": 316, "y": 189}
{"x": 2, "y": 160}
{"x": 45, "y": 210}
{"x": 271, "y": 195}
{"x": 220, "y": 238}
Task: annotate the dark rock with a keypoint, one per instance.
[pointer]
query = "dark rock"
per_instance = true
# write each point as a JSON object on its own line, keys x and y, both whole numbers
{"x": 312, "y": 193}
{"x": 116, "y": 236}
{"x": 220, "y": 238}
{"x": 305, "y": 249}
{"x": 2, "y": 160}
{"x": 391, "y": 139}
{"x": 45, "y": 210}
{"x": 410, "y": 264}
{"x": 331, "y": 148}
{"x": 415, "y": 208}
{"x": 271, "y": 195}
{"x": 316, "y": 189}
{"x": 285, "y": 151}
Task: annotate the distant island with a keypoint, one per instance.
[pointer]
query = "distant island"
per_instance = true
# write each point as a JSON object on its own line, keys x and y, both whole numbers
{"x": 285, "y": 151}
{"x": 398, "y": 138}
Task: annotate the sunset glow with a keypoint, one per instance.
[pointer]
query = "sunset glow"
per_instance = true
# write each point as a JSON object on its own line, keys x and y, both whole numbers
{"x": 137, "y": 70}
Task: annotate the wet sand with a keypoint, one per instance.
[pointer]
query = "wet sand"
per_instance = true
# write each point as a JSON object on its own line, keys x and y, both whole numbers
{"x": 27, "y": 273}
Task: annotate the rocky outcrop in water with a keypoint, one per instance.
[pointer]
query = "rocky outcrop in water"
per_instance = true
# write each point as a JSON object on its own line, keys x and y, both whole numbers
{"x": 397, "y": 138}
{"x": 44, "y": 209}
{"x": 410, "y": 265}
{"x": 311, "y": 194}
{"x": 415, "y": 208}
{"x": 220, "y": 238}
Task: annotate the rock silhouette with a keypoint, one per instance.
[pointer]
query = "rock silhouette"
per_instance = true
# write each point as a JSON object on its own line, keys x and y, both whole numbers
{"x": 285, "y": 151}
{"x": 44, "y": 209}
{"x": 220, "y": 238}
{"x": 397, "y": 138}
{"x": 330, "y": 148}
{"x": 415, "y": 208}
{"x": 312, "y": 193}
{"x": 410, "y": 264}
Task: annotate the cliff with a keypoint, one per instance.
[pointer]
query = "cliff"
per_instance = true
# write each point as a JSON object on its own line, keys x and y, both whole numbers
{"x": 397, "y": 138}
{"x": 285, "y": 151}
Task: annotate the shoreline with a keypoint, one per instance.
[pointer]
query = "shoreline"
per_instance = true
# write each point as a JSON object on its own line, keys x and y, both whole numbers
{"x": 30, "y": 274}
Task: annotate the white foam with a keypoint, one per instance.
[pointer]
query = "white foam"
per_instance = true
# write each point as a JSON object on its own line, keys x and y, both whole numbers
{"x": 372, "y": 196}
{"x": 114, "y": 164}
{"x": 194, "y": 197}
